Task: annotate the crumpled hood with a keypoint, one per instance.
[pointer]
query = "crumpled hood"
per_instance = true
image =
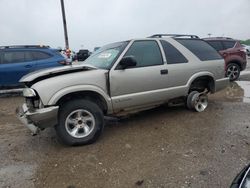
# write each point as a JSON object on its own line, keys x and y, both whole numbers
{"x": 50, "y": 72}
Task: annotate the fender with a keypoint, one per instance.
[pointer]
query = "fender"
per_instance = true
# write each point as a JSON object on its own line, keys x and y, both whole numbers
{"x": 197, "y": 75}
{"x": 234, "y": 58}
{"x": 59, "y": 94}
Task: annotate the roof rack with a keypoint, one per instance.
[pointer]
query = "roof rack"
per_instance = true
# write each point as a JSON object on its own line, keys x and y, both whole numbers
{"x": 24, "y": 46}
{"x": 173, "y": 35}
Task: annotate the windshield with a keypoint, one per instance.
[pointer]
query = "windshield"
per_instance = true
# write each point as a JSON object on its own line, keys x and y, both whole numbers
{"x": 104, "y": 57}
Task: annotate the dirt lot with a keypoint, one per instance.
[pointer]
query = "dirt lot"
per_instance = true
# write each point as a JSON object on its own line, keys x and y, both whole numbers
{"x": 163, "y": 147}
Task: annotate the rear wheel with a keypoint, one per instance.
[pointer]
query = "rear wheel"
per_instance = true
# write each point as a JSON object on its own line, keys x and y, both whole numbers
{"x": 197, "y": 101}
{"x": 233, "y": 71}
{"x": 80, "y": 122}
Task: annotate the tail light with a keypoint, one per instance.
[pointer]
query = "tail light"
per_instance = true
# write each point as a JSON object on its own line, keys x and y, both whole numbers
{"x": 243, "y": 50}
{"x": 244, "y": 54}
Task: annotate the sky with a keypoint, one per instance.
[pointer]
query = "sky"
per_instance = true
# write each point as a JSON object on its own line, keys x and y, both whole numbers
{"x": 94, "y": 23}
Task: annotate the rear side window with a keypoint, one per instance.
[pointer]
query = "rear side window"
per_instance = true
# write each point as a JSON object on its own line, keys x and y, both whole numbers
{"x": 216, "y": 44}
{"x": 28, "y": 56}
{"x": 40, "y": 55}
{"x": 13, "y": 57}
{"x": 173, "y": 55}
{"x": 23, "y": 56}
{"x": 228, "y": 44}
{"x": 200, "y": 48}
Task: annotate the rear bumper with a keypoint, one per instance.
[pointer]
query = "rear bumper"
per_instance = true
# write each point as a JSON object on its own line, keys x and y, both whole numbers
{"x": 221, "y": 84}
{"x": 37, "y": 119}
{"x": 244, "y": 65}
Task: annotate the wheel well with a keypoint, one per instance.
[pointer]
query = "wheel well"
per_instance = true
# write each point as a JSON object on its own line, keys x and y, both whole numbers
{"x": 202, "y": 83}
{"x": 89, "y": 95}
{"x": 235, "y": 62}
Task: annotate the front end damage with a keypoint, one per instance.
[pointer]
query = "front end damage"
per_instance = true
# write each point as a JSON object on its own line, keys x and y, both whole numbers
{"x": 37, "y": 115}
{"x": 34, "y": 115}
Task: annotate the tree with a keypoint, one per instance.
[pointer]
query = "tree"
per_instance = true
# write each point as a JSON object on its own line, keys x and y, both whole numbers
{"x": 246, "y": 42}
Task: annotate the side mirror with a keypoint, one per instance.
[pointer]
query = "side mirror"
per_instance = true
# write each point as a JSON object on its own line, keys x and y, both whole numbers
{"x": 127, "y": 61}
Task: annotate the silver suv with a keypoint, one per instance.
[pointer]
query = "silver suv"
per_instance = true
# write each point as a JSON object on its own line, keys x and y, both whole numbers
{"x": 118, "y": 79}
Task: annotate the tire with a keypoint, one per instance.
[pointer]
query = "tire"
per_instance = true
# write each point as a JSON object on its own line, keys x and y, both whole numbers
{"x": 197, "y": 101}
{"x": 80, "y": 122}
{"x": 233, "y": 71}
{"x": 190, "y": 106}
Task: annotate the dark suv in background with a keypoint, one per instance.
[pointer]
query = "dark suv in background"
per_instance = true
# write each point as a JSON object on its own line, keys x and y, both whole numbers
{"x": 233, "y": 53}
{"x": 82, "y": 55}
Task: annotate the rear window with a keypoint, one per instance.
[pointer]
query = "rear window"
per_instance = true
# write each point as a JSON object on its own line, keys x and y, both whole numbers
{"x": 34, "y": 55}
{"x": 229, "y": 44}
{"x": 216, "y": 44}
{"x": 200, "y": 48}
{"x": 173, "y": 55}
{"x": 40, "y": 55}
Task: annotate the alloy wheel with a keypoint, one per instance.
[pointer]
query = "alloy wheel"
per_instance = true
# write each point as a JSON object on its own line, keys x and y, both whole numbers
{"x": 80, "y": 123}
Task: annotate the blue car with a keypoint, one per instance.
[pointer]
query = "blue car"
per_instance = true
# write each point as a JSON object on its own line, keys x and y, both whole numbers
{"x": 16, "y": 61}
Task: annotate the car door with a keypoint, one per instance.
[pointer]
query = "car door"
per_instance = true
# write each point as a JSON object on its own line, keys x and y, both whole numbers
{"x": 14, "y": 65}
{"x": 142, "y": 85}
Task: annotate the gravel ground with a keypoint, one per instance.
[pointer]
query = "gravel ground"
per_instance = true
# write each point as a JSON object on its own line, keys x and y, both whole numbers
{"x": 163, "y": 147}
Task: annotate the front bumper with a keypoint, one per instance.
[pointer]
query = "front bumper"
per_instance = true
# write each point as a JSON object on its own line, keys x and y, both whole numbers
{"x": 38, "y": 119}
{"x": 221, "y": 84}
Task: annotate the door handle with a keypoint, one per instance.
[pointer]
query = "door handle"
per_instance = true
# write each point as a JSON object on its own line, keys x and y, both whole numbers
{"x": 164, "y": 71}
{"x": 28, "y": 66}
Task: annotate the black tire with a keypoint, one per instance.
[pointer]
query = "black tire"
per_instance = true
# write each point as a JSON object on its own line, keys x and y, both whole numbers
{"x": 70, "y": 107}
{"x": 233, "y": 71}
{"x": 190, "y": 105}
{"x": 197, "y": 101}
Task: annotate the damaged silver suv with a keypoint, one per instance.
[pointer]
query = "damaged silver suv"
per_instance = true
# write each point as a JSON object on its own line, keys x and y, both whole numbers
{"x": 118, "y": 79}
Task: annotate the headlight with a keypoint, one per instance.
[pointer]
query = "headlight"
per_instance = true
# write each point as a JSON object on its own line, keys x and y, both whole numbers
{"x": 28, "y": 92}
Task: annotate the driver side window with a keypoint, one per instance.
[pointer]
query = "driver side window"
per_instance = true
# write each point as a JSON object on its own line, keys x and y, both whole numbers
{"x": 146, "y": 53}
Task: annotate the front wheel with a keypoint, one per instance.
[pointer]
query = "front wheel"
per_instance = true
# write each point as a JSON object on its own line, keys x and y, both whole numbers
{"x": 80, "y": 122}
{"x": 233, "y": 71}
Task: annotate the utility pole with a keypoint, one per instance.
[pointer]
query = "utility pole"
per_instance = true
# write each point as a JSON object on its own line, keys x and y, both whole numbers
{"x": 65, "y": 26}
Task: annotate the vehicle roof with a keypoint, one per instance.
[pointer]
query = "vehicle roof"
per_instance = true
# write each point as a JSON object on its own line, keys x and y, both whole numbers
{"x": 25, "y": 47}
{"x": 220, "y": 38}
